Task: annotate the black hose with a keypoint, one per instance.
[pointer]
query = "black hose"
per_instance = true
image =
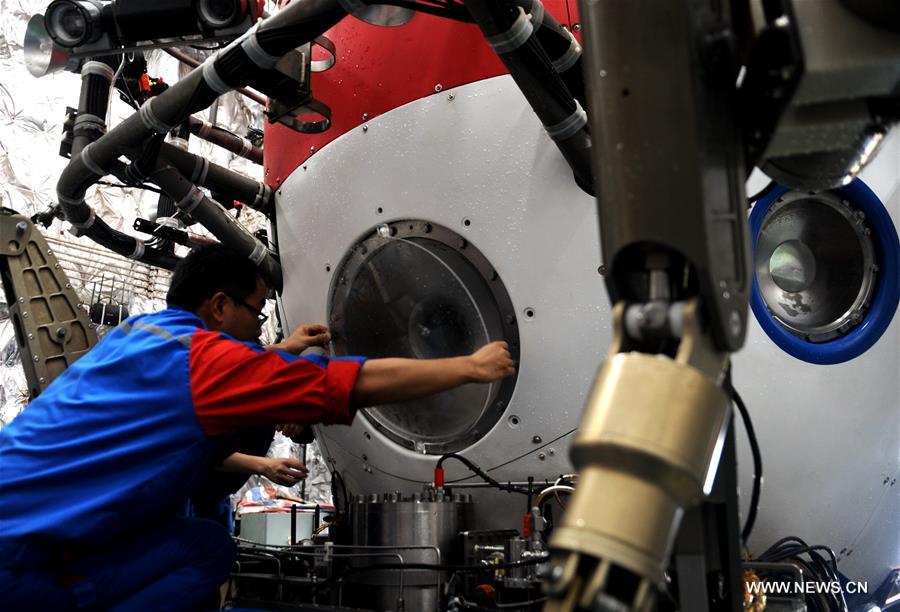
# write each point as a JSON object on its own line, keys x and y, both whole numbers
{"x": 296, "y": 24}
{"x": 556, "y": 41}
{"x": 547, "y": 94}
{"x": 466, "y": 569}
{"x": 90, "y": 121}
{"x": 757, "y": 457}
{"x": 481, "y": 473}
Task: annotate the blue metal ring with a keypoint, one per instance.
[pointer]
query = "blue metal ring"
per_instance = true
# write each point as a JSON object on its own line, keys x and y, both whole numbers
{"x": 885, "y": 296}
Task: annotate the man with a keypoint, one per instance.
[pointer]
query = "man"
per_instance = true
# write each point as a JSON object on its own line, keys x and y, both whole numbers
{"x": 93, "y": 471}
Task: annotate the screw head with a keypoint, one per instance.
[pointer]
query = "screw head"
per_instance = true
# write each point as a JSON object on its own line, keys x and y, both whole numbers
{"x": 365, "y": 116}
{"x": 438, "y": 88}
{"x": 21, "y": 226}
{"x": 576, "y": 27}
{"x": 36, "y": 358}
{"x": 542, "y": 456}
{"x": 734, "y": 322}
{"x": 365, "y": 128}
{"x": 450, "y": 97}
{"x": 537, "y": 439}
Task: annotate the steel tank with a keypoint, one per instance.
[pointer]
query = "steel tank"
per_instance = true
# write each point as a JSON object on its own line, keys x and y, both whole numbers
{"x": 393, "y": 529}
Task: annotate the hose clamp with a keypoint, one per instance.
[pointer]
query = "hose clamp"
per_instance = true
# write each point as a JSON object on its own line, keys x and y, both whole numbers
{"x": 150, "y": 120}
{"x": 86, "y": 122}
{"x": 138, "y": 249}
{"x": 201, "y": 168}
{"x": 516, "y": 36}
{"x": 567, "y": 59}
{"x": 88, "y": 161}
{"x": 262, "y": 196}
{"x": 191, "y": 201}
{"x": 537, "y": 14}
{"x": 212, "y": 78}
{"x": 569, "y": 126}
{"x": 256, "y": 53}
{"x": 258, "y": 255}
{"x": 246, "y": 147}
{"x": 87, "y": 223}
{"x": 97, "y": 69}
{"x": 204, "y": 129}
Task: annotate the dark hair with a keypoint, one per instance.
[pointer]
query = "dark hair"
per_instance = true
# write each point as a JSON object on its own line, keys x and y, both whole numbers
{"x": 208, "y": 270}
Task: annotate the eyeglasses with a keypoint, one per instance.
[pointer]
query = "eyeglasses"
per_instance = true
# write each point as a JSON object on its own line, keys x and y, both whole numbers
{"x": 262, "y": 318}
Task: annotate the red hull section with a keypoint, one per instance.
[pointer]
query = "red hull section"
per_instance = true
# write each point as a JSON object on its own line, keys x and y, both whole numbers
{"x": 378, "y": 69}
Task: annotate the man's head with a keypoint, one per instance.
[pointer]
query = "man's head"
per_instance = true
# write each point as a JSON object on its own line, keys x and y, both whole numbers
{"x": 223, "y": 288}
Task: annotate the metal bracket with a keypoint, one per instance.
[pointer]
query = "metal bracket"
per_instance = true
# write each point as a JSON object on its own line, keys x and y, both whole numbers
{"x": 52, "y": 329}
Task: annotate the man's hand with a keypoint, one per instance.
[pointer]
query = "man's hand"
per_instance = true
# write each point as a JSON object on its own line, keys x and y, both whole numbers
{"x": 303, "y": 337}
{"x": 491, "y": 362}
{"x": 286, "y": 472}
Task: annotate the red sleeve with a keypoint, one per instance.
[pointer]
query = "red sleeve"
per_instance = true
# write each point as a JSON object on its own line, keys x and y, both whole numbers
{"x": 234, "y": 386}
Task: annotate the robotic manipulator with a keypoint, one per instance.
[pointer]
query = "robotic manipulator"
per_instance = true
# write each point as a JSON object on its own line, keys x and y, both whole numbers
{"x": 684, "y": 98}
{"x": 678, "y": 123}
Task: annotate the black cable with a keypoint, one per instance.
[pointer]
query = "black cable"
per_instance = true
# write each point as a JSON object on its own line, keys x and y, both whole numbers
{"x": 484, "y": 476}
{"x": 466, "y": 569}
{"x": 757, "y": 456}
{"x": 123, "y": 186}
{"x": 791, "y": 547}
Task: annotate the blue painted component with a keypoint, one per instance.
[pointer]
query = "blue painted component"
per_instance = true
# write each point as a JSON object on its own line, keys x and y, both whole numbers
{"x": 885, "y": 296}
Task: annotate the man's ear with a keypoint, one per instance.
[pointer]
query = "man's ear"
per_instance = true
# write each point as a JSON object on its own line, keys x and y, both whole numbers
{"x": 216, "y": 306}
{"x": 212, "y": 311}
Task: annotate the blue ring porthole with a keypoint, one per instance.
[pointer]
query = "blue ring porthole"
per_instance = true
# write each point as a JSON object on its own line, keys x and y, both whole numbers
{"x": 884, "y": 299}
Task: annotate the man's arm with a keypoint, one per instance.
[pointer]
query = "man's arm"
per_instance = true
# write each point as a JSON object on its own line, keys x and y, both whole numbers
{"x": 384, "y": 381}
{"x": 286, "y": 472}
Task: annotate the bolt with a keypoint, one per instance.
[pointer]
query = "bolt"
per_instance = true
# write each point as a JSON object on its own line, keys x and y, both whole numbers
{"x": 365, "y": 116}
{"x": 68, "y": 285}
{"x": 42, "y": 380}
{"x": 576, "y": 27}
{"x": 21, "y": 300}
{"x": 56, "y": 266}
{"x": 542, "y": 456}
{"x": 734, "y": 321}
{"x": 61, "y": 332}
{"x": 49, "y": 252}
{"x": 450, "y": 97}
{"x": 603, "y": 74}
{"x": 726, "y": 295}
{"x": 31, "y": 336}
{"x": 537, "y": 439}
{"x": 36, "y": 358}
{"x": 365, "y": 128}
{"x": 312, "y": 149}
{"x": 551, "y": 451}
{"x": 24, "y": 315}
{"x": 602, "y": 270}
{"x": 21, "y": 226}
{"x": 438, "y": 88}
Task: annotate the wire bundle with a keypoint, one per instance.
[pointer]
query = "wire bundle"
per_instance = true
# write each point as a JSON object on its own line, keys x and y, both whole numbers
{"x": 794, "y": 550}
